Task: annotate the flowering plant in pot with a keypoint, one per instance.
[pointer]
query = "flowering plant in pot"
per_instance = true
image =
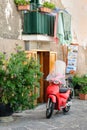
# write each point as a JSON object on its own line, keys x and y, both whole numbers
{"x": 47, "y": 7}
{"x": 23, "y": 4}
{"x": 20, "y": 78}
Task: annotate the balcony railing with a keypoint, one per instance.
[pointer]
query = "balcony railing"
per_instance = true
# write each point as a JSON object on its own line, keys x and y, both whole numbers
{"x": 38, "y": 23}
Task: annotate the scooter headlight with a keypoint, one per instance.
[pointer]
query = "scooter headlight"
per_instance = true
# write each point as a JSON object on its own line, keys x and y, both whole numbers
{"x": 56, "y": 82}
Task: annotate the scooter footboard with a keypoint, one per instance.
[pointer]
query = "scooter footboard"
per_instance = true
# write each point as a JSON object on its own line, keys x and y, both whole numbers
{"x": 53, "y": 97}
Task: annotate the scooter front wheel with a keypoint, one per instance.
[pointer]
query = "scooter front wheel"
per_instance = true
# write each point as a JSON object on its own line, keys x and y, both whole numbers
{"x": 67, "y": 108}
{"x": 50, "y": 108}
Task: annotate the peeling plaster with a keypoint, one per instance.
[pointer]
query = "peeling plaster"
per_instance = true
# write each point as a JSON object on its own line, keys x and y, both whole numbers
{"x": 9, "y": 28}
{"x": 20, "y": 31}
{"x": 8, "y": 12}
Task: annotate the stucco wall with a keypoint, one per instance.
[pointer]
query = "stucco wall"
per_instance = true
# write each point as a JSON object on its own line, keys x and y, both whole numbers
{"x": 8, "y": 45}
{"x": 10, "y": 20}
{"x": 10, "y": 27}
{"x": 82, "y": 61}
{"x": 11, "y": 24}
{"x": 58, "y": 3}
{"x": 78, "y": 11}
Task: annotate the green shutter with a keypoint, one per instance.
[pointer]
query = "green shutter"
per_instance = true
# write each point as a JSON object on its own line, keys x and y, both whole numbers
{"x": 38, "y": 23}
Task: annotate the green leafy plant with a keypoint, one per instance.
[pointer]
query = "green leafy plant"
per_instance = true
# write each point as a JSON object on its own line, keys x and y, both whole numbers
{"x": 49, "y": 5}
{"x": 83, "y": 90}
{"x": 20, "y": 78}
{"x": 81, "y": 82}
{"x": 22, "y": 2}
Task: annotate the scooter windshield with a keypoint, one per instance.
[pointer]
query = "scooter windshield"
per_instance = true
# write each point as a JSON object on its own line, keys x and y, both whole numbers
{"x": 58, "y": 73}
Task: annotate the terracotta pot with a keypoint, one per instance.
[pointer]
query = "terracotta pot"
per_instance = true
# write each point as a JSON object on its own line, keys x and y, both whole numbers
{"x": 44, "y": 9}
{"x": 83, "y": 96}
{"x": 23, "y": 7}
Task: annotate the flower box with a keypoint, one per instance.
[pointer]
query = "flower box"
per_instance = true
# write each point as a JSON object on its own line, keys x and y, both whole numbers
{"x": 23, "y": 7}
{"x": 83, "y": 96}
{"x": 45, "y": 9}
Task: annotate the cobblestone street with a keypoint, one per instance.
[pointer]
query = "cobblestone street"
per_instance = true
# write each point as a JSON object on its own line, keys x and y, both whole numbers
{"x": 75, "y": 119}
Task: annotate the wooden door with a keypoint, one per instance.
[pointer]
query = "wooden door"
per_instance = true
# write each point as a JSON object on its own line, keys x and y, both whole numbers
{"x": 52, "y": 59}
{"x": 41, "y": 93}
{"x": 31, "y": 54}
{"x": 46, "y": 66}
{"x": 47, "y": 60}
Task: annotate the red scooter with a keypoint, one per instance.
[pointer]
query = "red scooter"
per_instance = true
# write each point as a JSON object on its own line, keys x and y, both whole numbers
{"x": 58, "y": 97}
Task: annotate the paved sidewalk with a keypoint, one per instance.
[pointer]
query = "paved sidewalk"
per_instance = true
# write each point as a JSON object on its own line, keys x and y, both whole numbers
{"x": 75, "y": 119}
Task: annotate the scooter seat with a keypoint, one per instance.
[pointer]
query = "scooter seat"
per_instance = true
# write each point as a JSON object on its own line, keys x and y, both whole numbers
{"x": 63, "y": 90}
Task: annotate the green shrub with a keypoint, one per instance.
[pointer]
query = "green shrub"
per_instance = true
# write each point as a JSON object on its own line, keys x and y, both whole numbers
{"x": 20, "y": 78}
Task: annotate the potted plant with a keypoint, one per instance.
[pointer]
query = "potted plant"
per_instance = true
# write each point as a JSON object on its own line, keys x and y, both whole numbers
{"x": 23, "y": 4}
{"x": 83, "y": 88}
{"x": 80, "y": 83}
{"x": 83, "y": 93}
{"x": 47, "y": 7}
{"x": 20, "y": 77}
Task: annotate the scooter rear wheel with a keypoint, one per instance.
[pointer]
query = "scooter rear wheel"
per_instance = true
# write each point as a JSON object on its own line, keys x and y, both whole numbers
{"x": 50, "y": 108}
